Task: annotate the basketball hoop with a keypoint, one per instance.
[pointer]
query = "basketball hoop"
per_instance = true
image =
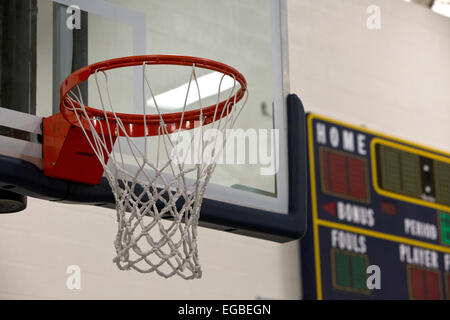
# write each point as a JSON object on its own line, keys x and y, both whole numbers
{"x": 157, "y": 213}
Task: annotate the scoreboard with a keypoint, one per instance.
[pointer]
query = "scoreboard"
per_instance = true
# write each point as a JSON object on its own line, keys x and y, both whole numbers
{"x": 378, "y": 216}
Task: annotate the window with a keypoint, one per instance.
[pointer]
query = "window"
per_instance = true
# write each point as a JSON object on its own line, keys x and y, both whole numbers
{"x": 349, "y": 271}
{"x": 344, "y": 175}
{"x": 439, "y": 6}
{"x": 424, "y": 284}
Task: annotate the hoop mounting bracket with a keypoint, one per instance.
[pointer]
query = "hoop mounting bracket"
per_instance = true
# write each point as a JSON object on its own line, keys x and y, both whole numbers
{"x": 67, "y": 154}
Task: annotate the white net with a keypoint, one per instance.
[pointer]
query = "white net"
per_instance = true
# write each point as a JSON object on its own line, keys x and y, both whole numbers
{"x": 158, "y": 197}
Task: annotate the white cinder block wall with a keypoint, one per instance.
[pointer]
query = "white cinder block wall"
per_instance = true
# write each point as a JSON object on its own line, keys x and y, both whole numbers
{"x": 38, "y": 244}
{"x": 394, "y": 80}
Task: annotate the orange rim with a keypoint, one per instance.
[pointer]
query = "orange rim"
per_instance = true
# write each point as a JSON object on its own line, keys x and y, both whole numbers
{"x": 134, "y": 124}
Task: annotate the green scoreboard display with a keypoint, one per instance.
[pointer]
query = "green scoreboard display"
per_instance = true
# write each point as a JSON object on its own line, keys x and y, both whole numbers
{"x": 379, "y": 216}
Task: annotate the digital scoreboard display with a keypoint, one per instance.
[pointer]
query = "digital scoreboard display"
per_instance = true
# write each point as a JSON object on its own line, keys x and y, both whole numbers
{"x": 379, "y": 216}
{"x": 410, "y": 173}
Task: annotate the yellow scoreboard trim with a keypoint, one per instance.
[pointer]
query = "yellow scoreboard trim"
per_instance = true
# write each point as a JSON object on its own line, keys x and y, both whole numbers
{"x": 312, "y": 170}
{"x": 384, "y": 236}
{"x": 316, "y": 222}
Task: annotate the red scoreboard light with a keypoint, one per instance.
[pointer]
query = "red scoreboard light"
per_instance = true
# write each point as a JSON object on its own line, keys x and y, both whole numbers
{"x": 344, "y": 175}
{"x": 424, "y": 284}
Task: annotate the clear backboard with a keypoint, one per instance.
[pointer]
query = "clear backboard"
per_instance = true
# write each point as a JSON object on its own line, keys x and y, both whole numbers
{"x": 260, "y": 192}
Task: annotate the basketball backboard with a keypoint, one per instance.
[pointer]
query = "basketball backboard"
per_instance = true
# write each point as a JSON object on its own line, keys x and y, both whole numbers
{"x": 262, "y": 196}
